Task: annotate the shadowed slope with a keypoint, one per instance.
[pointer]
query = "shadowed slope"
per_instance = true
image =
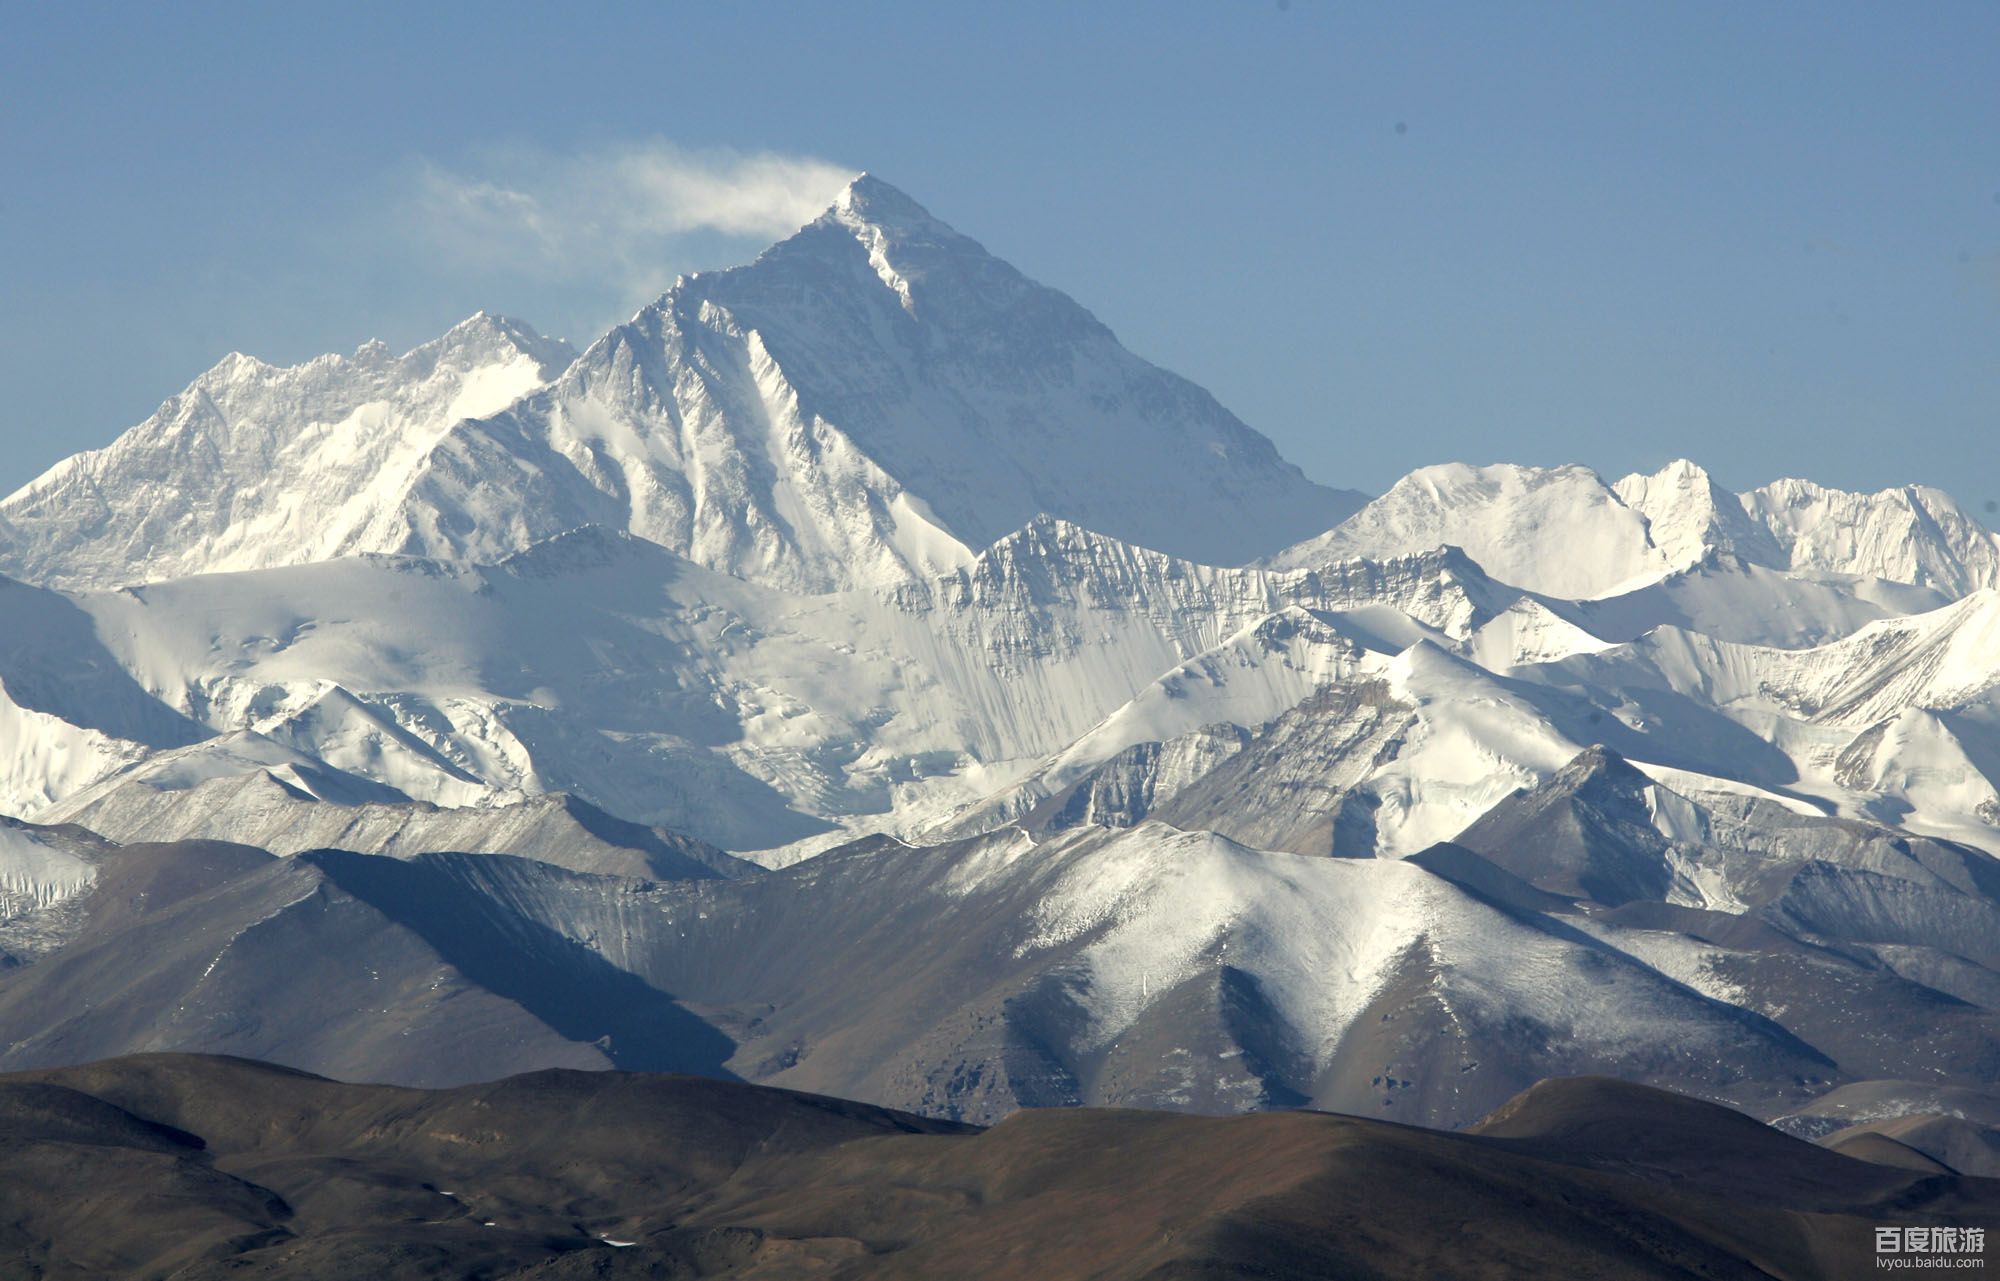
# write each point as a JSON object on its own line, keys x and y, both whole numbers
{"x": 429, "y": 971}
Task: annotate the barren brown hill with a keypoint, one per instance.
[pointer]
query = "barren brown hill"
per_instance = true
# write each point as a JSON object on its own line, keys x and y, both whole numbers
{"x": 195, "y": 1167}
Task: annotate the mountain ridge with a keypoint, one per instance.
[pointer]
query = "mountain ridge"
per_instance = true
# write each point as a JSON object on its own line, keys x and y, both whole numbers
{"x": 805, "y": 421}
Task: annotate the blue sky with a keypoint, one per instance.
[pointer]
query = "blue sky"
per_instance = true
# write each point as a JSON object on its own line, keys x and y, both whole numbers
{"x": 1763, "y": 236}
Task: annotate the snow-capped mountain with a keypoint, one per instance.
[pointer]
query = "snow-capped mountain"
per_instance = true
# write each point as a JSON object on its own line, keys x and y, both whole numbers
{"x": 43, "y": 870}
{"x": 1914, "y": 534}
{"x": 1689, "y": 516}
{"x": 255, "y": 465}
{"x": 1135, "y": 766}
{"x": 1564, "y": 532}
{"x": 1561, "y": 531}
{"x": 806, "y": 422}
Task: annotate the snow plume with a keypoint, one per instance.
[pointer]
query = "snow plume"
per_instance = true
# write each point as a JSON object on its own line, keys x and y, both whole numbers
{"x": 613, "y": 213}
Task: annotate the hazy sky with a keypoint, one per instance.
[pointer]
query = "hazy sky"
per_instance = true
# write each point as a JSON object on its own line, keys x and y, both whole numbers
{"x": 1764, "y": 236}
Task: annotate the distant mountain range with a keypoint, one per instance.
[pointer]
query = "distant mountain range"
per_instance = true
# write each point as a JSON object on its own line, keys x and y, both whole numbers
{"x": 860, "y": 673}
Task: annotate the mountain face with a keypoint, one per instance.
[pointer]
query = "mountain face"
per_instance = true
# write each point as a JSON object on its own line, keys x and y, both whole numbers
{"x": 803, "y": 422}
{"x": 756, "y": 720}
{"x": 1914, "y": 535}
{"x": 1689, "y": 516}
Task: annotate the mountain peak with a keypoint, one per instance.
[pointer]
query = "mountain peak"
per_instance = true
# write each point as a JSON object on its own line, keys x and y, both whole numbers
{"x": 481, "y": 337}
{"x": 1683, "y": 470}
{"x": 1597, "y": 763}
{"x": 1586, "y": 831}
{"x": 1688, "y": 515}
{"x": 870, "y": 200}
{"x": 486, "y": 336}
{"x": 913, "y": 253}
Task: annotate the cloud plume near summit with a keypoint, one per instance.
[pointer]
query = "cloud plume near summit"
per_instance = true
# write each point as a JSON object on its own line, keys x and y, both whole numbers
{"x": 612, "y": 213}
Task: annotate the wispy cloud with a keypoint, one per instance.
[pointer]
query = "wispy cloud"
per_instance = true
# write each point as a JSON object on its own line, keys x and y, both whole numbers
{"x": 612, "y": 216}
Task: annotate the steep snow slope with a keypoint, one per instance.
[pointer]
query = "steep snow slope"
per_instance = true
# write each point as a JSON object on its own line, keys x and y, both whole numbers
{"x": 1528, "y": 631}
{"x": 1929, "y": 771}
{"x": 877, "y": 393}
{"x": 1391, "y": 770}
{"x": 1476, "y": 740}
{"x": 69, "y": 711}
{"x": 46, "y": 757}
{"x": 1948, "y": 657}
{"x": 866, "y": 402}
{"x": 1563, "y": 533}
{"x": 601, "y": 665}
{"x": 1297, "y": 784}
{"x": 759, "y": 720}
{"x": 52, "y": 660}
{"x": 1913, "y": 535}
{"x": 1560, "y": 531}
{"x": 1248, "y": 680}
{"x": 1923, "y": 910}
{"x": 240, "y": 754}
{"x": 1734, "y": 599}
{"x": 1894, "y": 723}
{"x": 876, "y": 536}
{"x": 45, "y": 873}
{"x": 255, "y": 465}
